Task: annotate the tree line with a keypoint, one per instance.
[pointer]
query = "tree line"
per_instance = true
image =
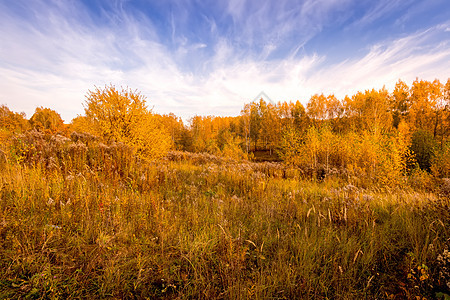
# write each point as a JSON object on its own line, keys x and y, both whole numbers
{"x": 378, "y": 134}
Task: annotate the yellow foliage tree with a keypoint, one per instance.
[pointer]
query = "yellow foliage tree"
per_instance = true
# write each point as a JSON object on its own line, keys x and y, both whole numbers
{"x": 395, "y": 155}
{"x": 122, "y": 116}
{"x": 400, "y": 102}
{"x": 82, "y": 124}
{"x": 312, "y": 143}
{"x": 317, "y": 107}
{"x": 46, "y": 119}
{"x": 327, "y": 144}
{"x": 231, "y": 146}
{"x": 150, "y": 137}
{"x": 291, "y": 146}
{"x": 424, "y": 112}
{"x": 402, "y": 147}
{"x": 174, "y": 125}
{"x": 12, "y": 121}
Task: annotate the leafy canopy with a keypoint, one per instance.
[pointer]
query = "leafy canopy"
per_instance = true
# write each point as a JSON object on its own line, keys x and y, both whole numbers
{"x": 122, "y": 116}
{"x": 46, "y": 119}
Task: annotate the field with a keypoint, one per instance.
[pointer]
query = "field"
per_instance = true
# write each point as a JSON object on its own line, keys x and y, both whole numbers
{"x": 81, "y": 219}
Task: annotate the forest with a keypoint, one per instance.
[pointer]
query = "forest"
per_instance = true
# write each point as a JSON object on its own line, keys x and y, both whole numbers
{"x": 336, "y": 199}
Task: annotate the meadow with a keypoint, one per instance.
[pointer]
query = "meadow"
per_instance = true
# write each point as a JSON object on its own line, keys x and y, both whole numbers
{"x": 82, "y": 218}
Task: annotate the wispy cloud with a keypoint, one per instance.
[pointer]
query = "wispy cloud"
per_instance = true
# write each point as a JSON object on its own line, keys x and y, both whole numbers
{"x": 381, "y": 10}
{"x": 270, "y": 26}
{"x": 417, "y": 55}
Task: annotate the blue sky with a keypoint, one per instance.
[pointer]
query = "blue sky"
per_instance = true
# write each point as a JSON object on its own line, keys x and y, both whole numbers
{"x": 211, "y": 57}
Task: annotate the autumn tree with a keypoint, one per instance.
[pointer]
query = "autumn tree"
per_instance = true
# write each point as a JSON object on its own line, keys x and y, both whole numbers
{"x": 122, "y": 116}
{"x": 255, "y": 121}
{"x": 218, "y": 135}
{"x": 394, "y": 157}
{"x": 46, "y": 119}
{"x": 402, "y": 144}
{"x": 354, "y": 110}
{"x": 312, "y": 142}
{"x": 230, "y": 144}
{"x": 376, "y": 111}
{"x": 442, "y": 116}
{"x": 291, "y": 146}
{"x": 270, "y": 127}
{"x": 175, "y": 127}
{"x": 317, "y": 107}
{"x": 299, "y": 116}
{"x": 335, "y": 110}
{"x": 114, "y": 113}
{"x": 82, "y": 124}
{"x": 369, "y": 111}
{"x": 292, "y": 115}
{"x": 253, "y": 116}
{"x": 203, "y": 136}
{"x": 11, "y": 121}
{"x": 327, "y": 143}
{"x": 400, "y": 102}
{"x": 285, "y": 111}
{"x": 424, "y": 112}
{"x": 245, "y": 122}
{"x": 334, "y": 107}
{"x": 150, "y": 137}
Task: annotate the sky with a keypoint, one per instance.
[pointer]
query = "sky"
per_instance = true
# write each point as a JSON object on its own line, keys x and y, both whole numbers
{"x": 193, "y": 57}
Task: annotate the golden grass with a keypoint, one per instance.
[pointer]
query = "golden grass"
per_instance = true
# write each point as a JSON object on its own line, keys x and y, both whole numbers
{"x": 81, "y": 219}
